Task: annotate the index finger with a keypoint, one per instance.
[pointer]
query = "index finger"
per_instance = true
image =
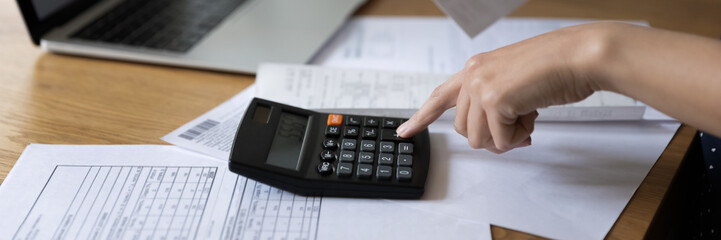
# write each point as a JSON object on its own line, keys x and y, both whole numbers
{"x": 442, "y": 98}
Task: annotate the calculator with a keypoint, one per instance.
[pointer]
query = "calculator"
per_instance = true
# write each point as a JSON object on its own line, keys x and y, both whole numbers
{"x": 320, "y": 154}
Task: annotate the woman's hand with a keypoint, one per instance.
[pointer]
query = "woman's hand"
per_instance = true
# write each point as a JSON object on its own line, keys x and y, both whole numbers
{"x": 497, "y": 93}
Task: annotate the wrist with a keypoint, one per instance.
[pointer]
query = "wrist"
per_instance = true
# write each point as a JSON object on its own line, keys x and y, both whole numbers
{"x": 599, "y": 55}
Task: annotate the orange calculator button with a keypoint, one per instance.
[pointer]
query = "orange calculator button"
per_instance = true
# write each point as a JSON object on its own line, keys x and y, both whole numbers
{"x": 335, "y": 119}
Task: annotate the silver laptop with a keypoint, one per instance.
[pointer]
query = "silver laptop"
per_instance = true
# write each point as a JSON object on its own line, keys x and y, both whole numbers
{"x": 225, "y": 35}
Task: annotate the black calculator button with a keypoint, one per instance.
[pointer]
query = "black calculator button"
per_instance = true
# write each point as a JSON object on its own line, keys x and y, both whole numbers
{"x": 370, "y": 122}
{"x": 405, "y": 160}
{"x": 352, "y": 121}
{"x": 330, "y": 144}
{"x": 384, "y": 172}
{"x": 364, "y": 171}
{"x": 368, "y": 146}
{"x": 404, "y": 173}
{"x": 345, "y": 169}
{"x": 327, "y": 156}
{"x": 332, "y": 131}
{"x": 387, "y": 147}
{"x": 347, "y": 156}
{"x": 385, "y": 159}
{"x": 348, "y": 144}
{"x": 391, "y": 135}
{"x": 365, "y": 157}
{"x": 391, "y": 123}
{"x": 350, "y": 132}
{"x": 406, "y": 148}
{"x": 325, "y": 168}
{"x": 370, "y": 133}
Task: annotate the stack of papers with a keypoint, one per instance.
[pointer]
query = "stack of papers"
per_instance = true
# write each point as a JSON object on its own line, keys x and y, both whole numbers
{"x": 574, "y": 181}
{"x": 571, "y": 184}
{"x": 164, "y": 192}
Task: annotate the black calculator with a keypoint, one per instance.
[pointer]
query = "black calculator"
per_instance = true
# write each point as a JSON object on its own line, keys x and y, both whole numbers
{"x": 312, "y": 153}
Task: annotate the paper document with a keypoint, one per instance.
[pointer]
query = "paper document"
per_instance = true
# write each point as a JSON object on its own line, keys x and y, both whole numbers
{"x": 163, "y": 192}
{"x": 573, "y": 182}
{"x": 425, "y": 44}
{"x": 343, "y": 90}
{"x": 473, "y": 16}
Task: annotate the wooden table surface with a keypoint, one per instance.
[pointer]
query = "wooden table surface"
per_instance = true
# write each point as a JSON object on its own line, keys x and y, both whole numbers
{"x": 56, "y": 99}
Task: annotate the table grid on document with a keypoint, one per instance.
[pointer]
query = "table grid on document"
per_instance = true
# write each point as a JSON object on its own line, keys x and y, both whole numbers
{"x": 258, "y": 211}
{"x": 122, "y": 202}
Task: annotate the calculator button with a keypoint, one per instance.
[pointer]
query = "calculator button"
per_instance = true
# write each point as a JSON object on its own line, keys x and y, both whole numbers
{"x": 352, "y": 121}
{"x": 332, "y": 131}
{"x": 348, "y": 144}
{"x": 364, "y": 171}
{"x": 368, "y": 146}
{"x": 325, "y": 168}
{"x": 347, "y": 156}
{"x": 335, "y": 119}
{"x": 391, "y": 135}
{"x": 350, "y": 132}
{"x": 385, "y": 159}
{"x": 365, "y": 157}
{"x": 345, "y": 169}
{"x": 370, "y": 133}
{"x": 404, "y": 173}
{"x": 391, "y": 123}
{"x": 405, "y": 148}
{"x": 327, "y": 156}
{"x": 330, "y": 144}
{"x": 384, "y": 172}
{"x": 387, "y": 147}
{"x": 370, "y": 122}
{"x": 405, "y": 160}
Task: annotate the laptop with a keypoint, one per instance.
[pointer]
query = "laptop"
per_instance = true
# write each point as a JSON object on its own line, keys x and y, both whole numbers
{"x": 224, "y": 35}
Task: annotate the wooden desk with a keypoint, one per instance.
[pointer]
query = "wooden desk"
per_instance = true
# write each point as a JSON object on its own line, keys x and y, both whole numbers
{"x": 54, "y": 99}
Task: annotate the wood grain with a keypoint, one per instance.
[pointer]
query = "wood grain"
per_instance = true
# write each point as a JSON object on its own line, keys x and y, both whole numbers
{"x": 58, "y": 99}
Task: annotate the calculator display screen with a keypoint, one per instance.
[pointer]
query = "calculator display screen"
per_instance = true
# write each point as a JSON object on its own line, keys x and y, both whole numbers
{"x": 288, "y": 141}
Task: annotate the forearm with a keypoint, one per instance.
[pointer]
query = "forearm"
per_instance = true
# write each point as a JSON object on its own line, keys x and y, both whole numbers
{"x": 678, "y": 74}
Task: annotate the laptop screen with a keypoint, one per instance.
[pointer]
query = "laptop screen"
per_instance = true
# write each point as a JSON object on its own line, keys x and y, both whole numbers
{"x": 45, "y": 8}
{"x": 41, "y": 16}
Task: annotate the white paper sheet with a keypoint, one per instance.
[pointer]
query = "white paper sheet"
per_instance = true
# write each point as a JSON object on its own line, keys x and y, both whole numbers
{"x": 213, "y": 132}
{"x": 335, "y": 88}
{"x": 425, "y": 44}
{"x": 164, "y": 192}
{"x": 571, "y": 184}
{"x": 473, "y": 16}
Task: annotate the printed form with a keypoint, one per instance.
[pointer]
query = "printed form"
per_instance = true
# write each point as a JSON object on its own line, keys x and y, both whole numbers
{"x": 400, "y": 94}
{"x": 164, "y": 192}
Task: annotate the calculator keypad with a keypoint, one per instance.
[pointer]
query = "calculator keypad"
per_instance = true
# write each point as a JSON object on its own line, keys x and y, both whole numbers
{"x": 367, "y": 147}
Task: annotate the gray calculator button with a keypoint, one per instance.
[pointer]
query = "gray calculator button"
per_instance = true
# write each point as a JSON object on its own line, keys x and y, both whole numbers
{"x": 384, "y": 172}
{"x": 365, "y": 157}
{"x": 405, "y": 160}
{"x": 387, "y": 147}
{"x": 368, "y": 146}
{"x": 347, "y": 156}
{"x": 385, "y": 159}
{"x": 344, "y": 169}
{"x": 348, "y": 144}
{"x": 364, "y": 171}
{"x": 404, "y": 173}
{"x": 405, "y": 148}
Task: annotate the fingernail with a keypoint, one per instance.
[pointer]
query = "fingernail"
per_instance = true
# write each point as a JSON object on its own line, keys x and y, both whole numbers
{"x": 402, "y": 129}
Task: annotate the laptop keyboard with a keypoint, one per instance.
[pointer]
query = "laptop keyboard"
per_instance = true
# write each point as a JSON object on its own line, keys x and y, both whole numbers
{"x": 172, "y": 25}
